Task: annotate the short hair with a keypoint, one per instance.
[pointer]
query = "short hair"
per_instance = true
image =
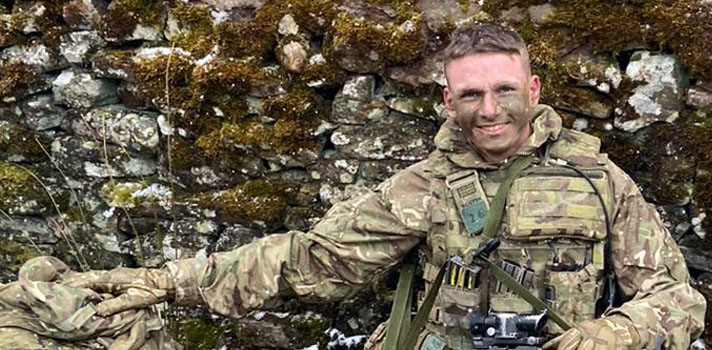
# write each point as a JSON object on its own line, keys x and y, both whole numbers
{"x": 485, "y": 37}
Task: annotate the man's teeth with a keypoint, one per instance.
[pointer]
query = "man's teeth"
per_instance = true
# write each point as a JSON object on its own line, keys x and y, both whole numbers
{"x": 493, "y": 127}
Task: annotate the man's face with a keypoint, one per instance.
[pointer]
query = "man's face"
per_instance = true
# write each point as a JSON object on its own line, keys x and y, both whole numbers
{"x": 492, "y": 96}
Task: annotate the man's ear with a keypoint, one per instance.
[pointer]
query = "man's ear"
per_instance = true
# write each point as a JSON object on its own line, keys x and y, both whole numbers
{"x": 447, "y": 98}
{"x": 534, "y": 90}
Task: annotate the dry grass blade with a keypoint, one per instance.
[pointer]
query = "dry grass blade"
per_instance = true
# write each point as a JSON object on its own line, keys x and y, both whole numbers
{"x": 139, "y": 246}
{"x": 69, "y": 238}
{"x": 66, "y": 179}
{"x": 32, "y": 241}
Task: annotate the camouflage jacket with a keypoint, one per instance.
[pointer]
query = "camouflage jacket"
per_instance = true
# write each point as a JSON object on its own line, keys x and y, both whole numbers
{"x": 360, "y": 239}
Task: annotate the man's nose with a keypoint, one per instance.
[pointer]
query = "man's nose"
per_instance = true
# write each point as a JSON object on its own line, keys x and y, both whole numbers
{"x": 490, "y": 106}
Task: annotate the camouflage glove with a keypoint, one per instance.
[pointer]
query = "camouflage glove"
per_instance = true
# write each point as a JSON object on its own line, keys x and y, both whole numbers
{"x": 136, "y": 288}
{"x": 608, "y": 333}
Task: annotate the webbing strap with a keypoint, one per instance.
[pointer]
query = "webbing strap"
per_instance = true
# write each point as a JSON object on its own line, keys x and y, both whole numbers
{"x": 525, "y": 294}
{"x": 419, "y": 321}
{"x": 500, "y": 198}
{"x": 491, "y": 224}
{"x": 400, "y": 310}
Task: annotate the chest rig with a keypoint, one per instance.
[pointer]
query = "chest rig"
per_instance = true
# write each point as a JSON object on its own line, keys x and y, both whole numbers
{"x": 552, "y": 233}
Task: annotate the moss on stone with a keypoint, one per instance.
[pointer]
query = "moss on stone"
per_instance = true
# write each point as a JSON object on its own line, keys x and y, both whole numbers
{"x": 257, "y": 38}
{"x": 123, "y": 16}
{"x": 700, "y": 134}
{"x": 297, "y": 115}
{"x": 19, "y": 189}
{"x": 17, "y": 141}
{"x": 122, "y": 194}
{"x": 324, "y": 74}
{"x": 684, "y": 27}
{"x": 197, "y": 333}
{"x": 8, "y": 34}
{"x": 16, "y": 79}
{"x": 15, "y": 254}
{"x": 299, "y": 104}
{"x": 396, "y": 44}
{"x": 150, "y": 78}
{"x": 313, "y": 15}
{"x": 309, "y": 329}
{"x": 198, "y": 34}
{"x": 252, "y": 201}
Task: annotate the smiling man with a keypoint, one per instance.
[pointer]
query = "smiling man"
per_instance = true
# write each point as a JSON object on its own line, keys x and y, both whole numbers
{"x": 573, "y": 231}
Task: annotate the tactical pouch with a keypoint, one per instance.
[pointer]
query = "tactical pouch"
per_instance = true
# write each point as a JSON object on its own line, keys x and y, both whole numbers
{"x": 554, "y": 202}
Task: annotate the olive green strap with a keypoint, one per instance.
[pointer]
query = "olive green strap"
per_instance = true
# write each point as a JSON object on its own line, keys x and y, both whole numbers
{"x": 500, "y": 198}
{"x": 400, "y": 310}
{"x": 491, "y": 224}
{"x": 525, "y": 294}
{"x": 419, "y": 321}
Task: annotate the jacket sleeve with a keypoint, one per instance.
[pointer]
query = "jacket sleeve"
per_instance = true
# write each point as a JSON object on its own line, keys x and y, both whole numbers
{"x": 355, "y": 243}
{"x": 651, "y": 271}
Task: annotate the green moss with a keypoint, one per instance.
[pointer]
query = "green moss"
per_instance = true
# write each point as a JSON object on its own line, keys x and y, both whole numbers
{"x": 700, "y": 134}
{"x": 395, "y": 44}
{"x": 313, "y": 15}
{"x": 327, "y": 74}
{"x": 309, "y": 329}
{"x": 684, "y": 27}
{"x": 464, "y": 5}
{"x": 297, "y": 115}
{"x": 121, "y": 194}
{"x": 150, "y": 78}
{"x": 198, "y": 35}
{"x": 17, "y": 141}
{"x": 299, "y": 104}
{"x": 19, "y": 188}
{"x": 16, "y": 79}
{"x": 123, "y": 16}
{"x": 197, "y": 333}
{"x": 255, "y": 38}
{"x": 18, "y": 254}
{"x": 255, "y": 200}
{"x": 225, "y": 157}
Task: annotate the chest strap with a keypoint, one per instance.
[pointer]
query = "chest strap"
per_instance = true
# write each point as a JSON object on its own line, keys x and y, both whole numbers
{"x": 402, "y": 339}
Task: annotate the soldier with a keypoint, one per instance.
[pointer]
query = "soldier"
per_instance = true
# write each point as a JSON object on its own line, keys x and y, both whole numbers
{"x": 563, "y": 206}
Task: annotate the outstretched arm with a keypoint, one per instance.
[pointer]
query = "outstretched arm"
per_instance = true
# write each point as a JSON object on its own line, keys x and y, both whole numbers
{"x": 355, "y": 243}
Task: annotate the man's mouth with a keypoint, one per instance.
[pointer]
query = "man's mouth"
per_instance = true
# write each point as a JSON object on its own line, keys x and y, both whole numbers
{"x": 494, "y": 129}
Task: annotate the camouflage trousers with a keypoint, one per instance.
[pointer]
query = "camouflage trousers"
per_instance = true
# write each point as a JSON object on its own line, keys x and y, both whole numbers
{"x": 38, "y": 312}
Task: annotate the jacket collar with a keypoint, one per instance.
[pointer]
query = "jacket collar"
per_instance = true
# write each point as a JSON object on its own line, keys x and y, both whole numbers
{"x": 546, "y": 125}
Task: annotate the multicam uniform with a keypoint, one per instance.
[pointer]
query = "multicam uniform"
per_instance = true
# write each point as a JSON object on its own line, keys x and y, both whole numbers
{"x": 553, "y": 232}
{"x": 552, "y": 241}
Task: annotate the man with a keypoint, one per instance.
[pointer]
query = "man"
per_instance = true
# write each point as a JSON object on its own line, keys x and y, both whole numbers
{"x": 553, "y": 233}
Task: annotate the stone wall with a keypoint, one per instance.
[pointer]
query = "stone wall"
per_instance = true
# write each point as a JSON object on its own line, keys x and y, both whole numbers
{"x": 137, "y": 131}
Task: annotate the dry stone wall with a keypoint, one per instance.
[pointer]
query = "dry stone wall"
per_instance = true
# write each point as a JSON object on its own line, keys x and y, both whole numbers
{"x": 138, "y": 131}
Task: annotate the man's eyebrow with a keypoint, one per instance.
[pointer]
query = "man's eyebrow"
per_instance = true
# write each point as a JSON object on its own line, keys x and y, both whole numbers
{"x": 512, "y": 84}
{"x": 467, "y": 91}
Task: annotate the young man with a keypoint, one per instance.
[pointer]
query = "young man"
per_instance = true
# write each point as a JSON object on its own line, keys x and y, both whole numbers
{"x": 553, "y": 233}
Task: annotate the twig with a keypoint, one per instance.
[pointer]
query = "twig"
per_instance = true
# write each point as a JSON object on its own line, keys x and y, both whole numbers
{"x": 66, "y": 179}
{"x": 139, "y": 244}
{"x": 77, "y": 252}
{"x": 32, "y": 241}
{"x": 169, "y": 114}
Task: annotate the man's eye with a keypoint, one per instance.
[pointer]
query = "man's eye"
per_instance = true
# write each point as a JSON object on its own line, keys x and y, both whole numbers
{"x": 470, "y": 95}
{"x": 505, "y": 89}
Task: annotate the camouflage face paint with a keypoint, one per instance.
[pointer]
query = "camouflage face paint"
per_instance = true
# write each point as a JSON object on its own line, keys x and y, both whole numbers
{"x": 499, "y": 134}
{"x": 492, "y": 96}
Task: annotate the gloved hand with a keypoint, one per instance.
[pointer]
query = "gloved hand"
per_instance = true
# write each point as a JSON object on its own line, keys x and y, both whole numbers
{"x": 132, "y": 288}
{"x": 140, "y": 287}
{"x": 608, "y": 333}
